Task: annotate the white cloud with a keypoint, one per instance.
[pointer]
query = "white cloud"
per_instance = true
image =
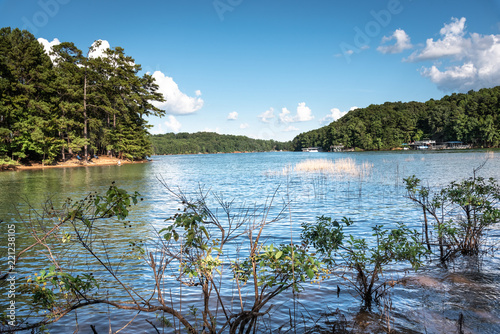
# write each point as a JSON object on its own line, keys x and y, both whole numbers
{"x": 98, "y": 51}
{"x": 304, "y": 114}
{"x": 244, "y": 126}
{"x": 217, "y": 130}
{"x": 402, "y": 42}
{"x": 177, "y": 102}
{"x": 467, "y": 61}
{"x": 267, "y": 115}
{"x": 232, "y": 116}
{"x": 347, "y": 52}
{"x": 334, "y": 115}
{"x": 285, "y": 116}
{"x": 459, "y": 78}
{"x": 452, "y": 43}
{"x": 291, "y": 128}
{"x": 172, "y": 124}
{"x": 47, "y": 46}
{"x": 197, "y": 92}
{"x": 157, "y": 129}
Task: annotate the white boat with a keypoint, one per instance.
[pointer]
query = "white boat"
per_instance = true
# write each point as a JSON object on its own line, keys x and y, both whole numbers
{"x": 312, "y": 149}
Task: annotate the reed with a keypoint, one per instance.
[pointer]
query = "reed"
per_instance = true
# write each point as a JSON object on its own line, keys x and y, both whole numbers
{"x": 340, "y": 167}
{"x": 285, "y": 171}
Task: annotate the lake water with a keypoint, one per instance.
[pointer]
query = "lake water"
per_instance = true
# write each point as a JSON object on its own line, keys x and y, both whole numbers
{"x": 372, "y": 198}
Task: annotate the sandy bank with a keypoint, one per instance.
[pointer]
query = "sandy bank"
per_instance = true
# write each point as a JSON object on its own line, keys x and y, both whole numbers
{"x": 101, "y": 161}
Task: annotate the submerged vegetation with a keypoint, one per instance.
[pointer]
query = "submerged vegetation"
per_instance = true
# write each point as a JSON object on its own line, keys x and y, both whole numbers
{"x": 358, "y": 262}
{"x": 192, "y": 249}
{"x": 212, "y": 246}
{"x": 338, "y": 167}
{"x": 458, "y": 214}
{"x": 326, "y": 168}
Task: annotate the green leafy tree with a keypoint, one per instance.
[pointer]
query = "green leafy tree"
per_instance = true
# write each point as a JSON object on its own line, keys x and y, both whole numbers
{"x": 68, "y": 96}
{"x": 209, "y": 142}
{"x": 461, "y": 212}
{"x": 191, "y": 247}
{"x": 364, "y": 262}
{"x": 471, "y": 118}
{"x": 52, "y": 108}
{"x": 25, "y": 94}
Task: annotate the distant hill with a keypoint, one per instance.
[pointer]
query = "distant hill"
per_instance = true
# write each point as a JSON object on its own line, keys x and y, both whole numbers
{"x": 472, "y": 118}
{"x": 210, "y": 142}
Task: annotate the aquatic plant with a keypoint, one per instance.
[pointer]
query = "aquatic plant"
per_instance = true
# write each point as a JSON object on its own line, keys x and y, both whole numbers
{"x": 339, "y": 167}
{"x": 460, "y": 213}
{"x": 362, "y": 264}
{"x": 189, "y": 250}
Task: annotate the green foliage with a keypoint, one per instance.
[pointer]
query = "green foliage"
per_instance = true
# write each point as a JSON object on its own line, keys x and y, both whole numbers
{"x": 466, "y": 209}
{"x": 196, "y": 238}
{"x": 471, "y": 118}
{"x": 55, "y": 291}
{"x": 278, "y": 266}
{"x": 197, "y": 243}
{"x": 326, "y": 235}
{"x": 209, "y": 142}
{"x": 49, "y": 289}
{"x": 365, "y": 262}
{"x": 115, "y": 203}
{"x": 8, "y": 162}
{"x": 51, "y": 109}
{"x": 163, "y": 320}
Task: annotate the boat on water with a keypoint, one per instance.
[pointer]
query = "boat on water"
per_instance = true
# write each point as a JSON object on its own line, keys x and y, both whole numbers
{"x": 312, "y": 149}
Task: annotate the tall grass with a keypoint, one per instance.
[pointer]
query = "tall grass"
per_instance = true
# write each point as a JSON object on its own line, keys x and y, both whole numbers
{"x": 318, "y": 174}
{"x": 339, "y": 167}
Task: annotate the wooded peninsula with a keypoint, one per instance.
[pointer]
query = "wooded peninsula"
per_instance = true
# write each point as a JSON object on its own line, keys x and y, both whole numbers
{"x": 471, "y": 118}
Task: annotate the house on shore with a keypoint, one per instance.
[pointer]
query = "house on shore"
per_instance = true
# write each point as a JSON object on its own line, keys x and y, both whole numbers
{"x": 427, "y": 144}
{"x": 456, "y": 145}
{"x": 337, "y": 148}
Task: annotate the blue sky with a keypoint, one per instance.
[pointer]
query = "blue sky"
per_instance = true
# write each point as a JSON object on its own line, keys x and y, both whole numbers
{"x": 273, "y": 69}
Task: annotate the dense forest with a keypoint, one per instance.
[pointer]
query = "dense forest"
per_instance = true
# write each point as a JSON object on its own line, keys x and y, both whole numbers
{"x": 69, "y": 103}
{"x": 472, "y": 118}
{"x": 209, "y": 142}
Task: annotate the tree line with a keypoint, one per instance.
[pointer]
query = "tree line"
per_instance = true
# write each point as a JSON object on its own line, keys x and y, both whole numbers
{"x": 210, "y": 142}
{"x": 76, "y": 103}
{"x": 472, "y": 118}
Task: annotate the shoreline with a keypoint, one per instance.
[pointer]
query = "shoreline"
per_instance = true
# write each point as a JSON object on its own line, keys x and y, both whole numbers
{"x": 73, "y": 163}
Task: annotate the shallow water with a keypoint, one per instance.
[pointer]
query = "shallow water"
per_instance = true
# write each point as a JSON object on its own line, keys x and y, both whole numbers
{"x": 430, "y": 302}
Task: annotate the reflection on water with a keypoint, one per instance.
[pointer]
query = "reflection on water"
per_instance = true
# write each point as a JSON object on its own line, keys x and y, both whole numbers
{"x": 430, "y": 301}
